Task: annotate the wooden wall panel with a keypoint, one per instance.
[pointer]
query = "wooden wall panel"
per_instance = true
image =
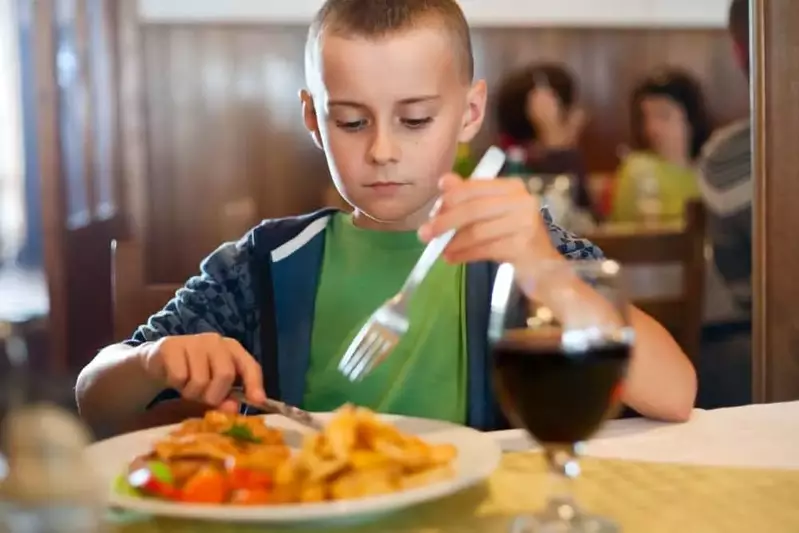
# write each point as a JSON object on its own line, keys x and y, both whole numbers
{"x": 227, "y": 147}
{"x": 776, "y": 168}
{"x": 74, "y": 64}
{"x": 224, "y": 137}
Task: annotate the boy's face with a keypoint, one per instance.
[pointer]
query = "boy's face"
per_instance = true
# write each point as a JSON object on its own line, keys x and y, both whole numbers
{"x": 389, "y": 114}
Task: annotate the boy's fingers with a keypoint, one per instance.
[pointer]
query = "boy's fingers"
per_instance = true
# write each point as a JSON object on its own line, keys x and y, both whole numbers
{"x": 450, "y": 181}
{"x": 223, "y": 373}
{"x": 176, "y": 367}
{"x": 229, "y": 405}
{"x": 477, "y": 235}
{"x": 199, "y": 374}
{"x": 501, "y": 250}
{"x": 474, "y": 212}
{"x": 250, "y": 371}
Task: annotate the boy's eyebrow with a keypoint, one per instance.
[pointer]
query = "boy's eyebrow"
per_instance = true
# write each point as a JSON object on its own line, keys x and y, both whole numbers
{"x": 344, "y": 103}
{"x": 419, "y": 99}
{"x": 404, "y": 101}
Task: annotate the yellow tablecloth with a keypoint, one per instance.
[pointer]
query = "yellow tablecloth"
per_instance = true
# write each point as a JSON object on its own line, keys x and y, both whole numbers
{"x": 641, "y": 497}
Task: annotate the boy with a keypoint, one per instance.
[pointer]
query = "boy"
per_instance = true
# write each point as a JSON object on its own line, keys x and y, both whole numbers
{"x": 390, "y": 95}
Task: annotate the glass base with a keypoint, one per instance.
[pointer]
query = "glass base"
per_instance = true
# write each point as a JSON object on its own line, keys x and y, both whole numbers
{"x": 547, "y": 523}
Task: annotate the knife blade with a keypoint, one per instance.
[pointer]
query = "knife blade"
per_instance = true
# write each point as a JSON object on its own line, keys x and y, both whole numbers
{"x": 279, "y": 408}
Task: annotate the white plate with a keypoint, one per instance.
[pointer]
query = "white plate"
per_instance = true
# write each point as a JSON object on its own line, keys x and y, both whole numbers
{"x": 478, "y": 456}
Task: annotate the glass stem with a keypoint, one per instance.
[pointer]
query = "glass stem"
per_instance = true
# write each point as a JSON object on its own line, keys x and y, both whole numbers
{"x": 564, "y": 469}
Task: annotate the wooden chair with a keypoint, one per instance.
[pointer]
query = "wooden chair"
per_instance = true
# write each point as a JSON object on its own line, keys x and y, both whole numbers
{"x": 134, "y": 300}
{"x": 681, "y": 313}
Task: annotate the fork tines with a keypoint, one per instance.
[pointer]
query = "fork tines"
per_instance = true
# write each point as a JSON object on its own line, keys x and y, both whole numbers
{"x": 374, "y": 341}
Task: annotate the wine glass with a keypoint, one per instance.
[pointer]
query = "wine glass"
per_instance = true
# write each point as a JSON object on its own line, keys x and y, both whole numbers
{"x": 561, "y": 344}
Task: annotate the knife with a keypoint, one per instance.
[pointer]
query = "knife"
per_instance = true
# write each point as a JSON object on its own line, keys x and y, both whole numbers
{"x": 279, "y": 408}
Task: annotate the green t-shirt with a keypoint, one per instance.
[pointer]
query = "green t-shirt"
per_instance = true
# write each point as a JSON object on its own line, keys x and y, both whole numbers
{"x": 425, "y": 375}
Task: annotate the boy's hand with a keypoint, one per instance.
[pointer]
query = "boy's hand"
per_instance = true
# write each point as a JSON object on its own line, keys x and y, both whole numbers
{"x": 496, "y": 220}
{"x": 204, "y": 367}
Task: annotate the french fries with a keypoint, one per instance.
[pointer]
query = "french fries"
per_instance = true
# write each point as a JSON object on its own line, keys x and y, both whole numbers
{"x": 357, "y": 456}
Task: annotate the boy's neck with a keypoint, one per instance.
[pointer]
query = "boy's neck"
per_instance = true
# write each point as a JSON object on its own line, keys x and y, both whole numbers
{"x": 409, "y": 223}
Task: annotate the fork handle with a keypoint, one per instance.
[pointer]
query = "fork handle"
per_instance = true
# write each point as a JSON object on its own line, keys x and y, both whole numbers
{"x": 431, "y": 253}
{"x": 488, "y": 168}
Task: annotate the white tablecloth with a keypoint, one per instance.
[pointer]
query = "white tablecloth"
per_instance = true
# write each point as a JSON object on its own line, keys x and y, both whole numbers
{"x": 762, "y": 436}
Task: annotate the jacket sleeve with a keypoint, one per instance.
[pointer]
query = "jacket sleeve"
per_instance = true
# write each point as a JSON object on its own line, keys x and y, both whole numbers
{"x": 568, "y": 244}
{"x": 219, "y": 299}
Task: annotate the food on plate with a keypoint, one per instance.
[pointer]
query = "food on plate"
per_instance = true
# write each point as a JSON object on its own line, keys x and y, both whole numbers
{"x": 232, "y": 459}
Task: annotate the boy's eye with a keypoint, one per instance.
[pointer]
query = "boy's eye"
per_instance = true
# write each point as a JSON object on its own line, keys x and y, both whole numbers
{"x": 351, "y": 125}
{"x": 416, "y": 123}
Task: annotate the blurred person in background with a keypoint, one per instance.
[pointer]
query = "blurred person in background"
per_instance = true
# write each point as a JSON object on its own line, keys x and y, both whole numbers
{"x": 669, "y": 126}
{"x": 538, "y": 116}
{"x": 725, "y": 181}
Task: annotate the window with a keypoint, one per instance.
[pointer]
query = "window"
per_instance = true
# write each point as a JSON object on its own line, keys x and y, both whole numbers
{"x": 12, "y": 200}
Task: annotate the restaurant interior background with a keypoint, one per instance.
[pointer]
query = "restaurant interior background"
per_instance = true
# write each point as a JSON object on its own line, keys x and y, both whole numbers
{"x": 174, "y": 126}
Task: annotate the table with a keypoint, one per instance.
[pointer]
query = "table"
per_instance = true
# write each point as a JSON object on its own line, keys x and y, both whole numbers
{"x": 753, "y": 437}
{"x": 758, "y": 436}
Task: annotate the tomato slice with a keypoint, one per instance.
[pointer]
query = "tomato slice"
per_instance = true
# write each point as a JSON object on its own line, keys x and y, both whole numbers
{"x": 261, "y": 480}
{"x": 244, "y": 478}
{"x": 206, "y": 486}
{"x": 146, "y": 481}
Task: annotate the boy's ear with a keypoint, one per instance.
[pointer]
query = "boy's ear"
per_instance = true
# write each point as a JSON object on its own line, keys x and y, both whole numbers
{"x": 475, "y": 111}
{"x": 309, "y": 117}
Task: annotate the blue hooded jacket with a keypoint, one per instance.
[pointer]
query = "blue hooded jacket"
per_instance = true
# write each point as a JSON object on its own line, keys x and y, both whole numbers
{"x": 261, "y": 292}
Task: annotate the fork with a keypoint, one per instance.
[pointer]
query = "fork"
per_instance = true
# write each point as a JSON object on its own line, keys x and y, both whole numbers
{"x": 384, "y": 328}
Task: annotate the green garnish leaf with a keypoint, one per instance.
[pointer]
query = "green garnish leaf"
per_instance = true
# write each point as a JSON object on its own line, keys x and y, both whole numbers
{"x": 161, "y": 471}
{"x": 242, "y": 434}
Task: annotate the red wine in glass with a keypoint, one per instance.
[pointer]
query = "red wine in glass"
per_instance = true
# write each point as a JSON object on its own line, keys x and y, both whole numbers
{"x": 560, "y": 396}
{"x": 561, "y": 346}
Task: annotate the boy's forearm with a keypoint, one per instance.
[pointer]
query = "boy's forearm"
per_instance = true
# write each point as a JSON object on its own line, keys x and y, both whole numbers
{"x": 114, "y": 387}
{"x": 661, "y": 382}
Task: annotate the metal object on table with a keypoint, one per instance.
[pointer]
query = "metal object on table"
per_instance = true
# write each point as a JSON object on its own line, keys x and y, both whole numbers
{"x": 45, "y": 482}
{"x": 279, "y": 408}
{"x": 385, "y": 327}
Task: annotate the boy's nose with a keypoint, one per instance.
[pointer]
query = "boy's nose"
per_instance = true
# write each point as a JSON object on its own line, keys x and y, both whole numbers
{"x": 383, "y": 150}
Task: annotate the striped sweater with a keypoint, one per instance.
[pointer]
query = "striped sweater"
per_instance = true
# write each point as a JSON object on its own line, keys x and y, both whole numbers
{"x": 727, "y": 187}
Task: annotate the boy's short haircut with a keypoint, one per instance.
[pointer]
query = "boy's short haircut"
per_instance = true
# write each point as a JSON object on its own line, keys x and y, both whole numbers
{"x": 373, "y": 19}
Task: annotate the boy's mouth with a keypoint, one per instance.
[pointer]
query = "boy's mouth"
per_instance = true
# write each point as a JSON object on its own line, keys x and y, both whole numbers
{"x": 386, "y": 185}
{"x": 386, "y": 189}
